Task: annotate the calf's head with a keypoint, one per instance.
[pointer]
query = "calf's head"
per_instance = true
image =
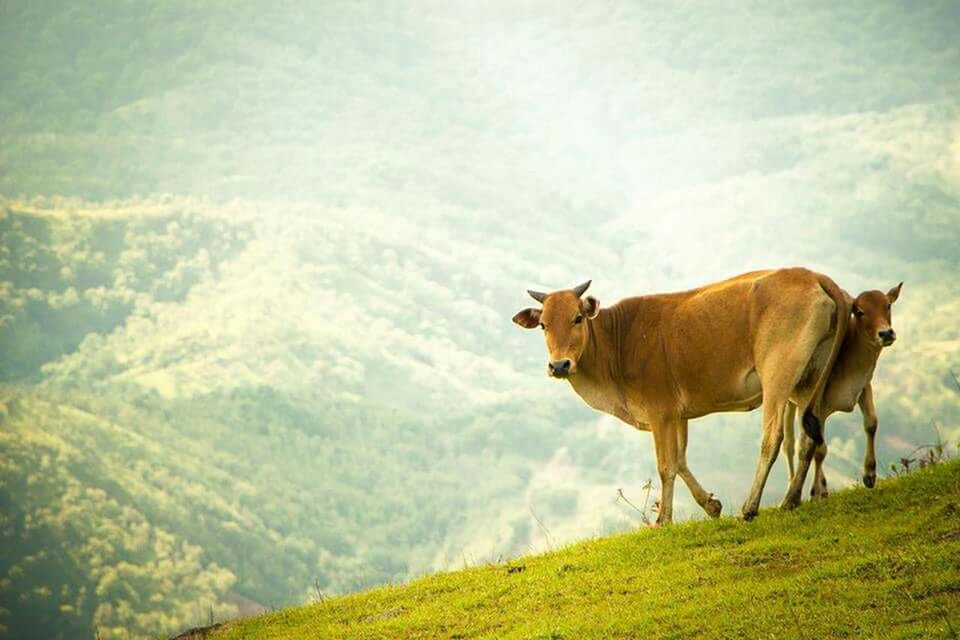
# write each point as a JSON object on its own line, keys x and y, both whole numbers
{"x": 563, "y": 317}
{"x": 871, "y": 311}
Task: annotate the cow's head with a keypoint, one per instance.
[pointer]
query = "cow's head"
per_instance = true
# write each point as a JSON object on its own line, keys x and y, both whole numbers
{"x": 563, "y": 318}
{"x": 871, "y": 309}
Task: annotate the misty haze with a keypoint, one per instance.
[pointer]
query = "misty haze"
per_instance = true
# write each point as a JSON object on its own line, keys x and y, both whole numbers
{"x": 258, "y": 266}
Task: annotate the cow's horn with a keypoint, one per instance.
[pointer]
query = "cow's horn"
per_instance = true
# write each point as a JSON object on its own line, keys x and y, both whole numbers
{"x": 536, "y": 295}
{"x": 579, "y": 289}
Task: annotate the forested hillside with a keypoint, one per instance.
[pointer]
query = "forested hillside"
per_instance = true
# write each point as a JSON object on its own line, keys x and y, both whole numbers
{"x": 258, "y": 264}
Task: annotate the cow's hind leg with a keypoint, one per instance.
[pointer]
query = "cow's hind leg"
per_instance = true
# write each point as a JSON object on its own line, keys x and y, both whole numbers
{"x": 789, "y": 441}
{"x": 773, "y": 407}
{"x": 806, "y": 361}
{"x": 704, "y": 498}
{"x": 781, "y": 370}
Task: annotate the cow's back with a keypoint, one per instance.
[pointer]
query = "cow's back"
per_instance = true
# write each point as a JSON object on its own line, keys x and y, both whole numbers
{"x": 714, "y": 338}
{"x": 708, "y": 341}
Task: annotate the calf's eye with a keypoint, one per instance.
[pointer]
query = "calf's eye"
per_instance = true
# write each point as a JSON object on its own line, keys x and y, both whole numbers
{"x": 578, "y": 320}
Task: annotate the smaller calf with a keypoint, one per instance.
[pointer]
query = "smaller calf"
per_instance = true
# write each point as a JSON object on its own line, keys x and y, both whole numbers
{"x": 849, "y": 384}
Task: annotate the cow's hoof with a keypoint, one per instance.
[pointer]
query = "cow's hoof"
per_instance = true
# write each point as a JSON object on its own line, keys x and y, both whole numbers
{"x": 790, "y": 503}
{"x": 747, "y": 516}
{"x": 713, "y": 508}
{"x": 870, "y": 479}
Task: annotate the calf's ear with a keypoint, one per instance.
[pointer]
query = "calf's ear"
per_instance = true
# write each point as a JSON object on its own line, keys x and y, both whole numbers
{"x": 590, "y": 307}
{"x": 894, "y": 293}
{"x": 528, "y": 318}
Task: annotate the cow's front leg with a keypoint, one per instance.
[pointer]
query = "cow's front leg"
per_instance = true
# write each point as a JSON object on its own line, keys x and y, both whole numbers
{"x": 870, "y": 424}
{"x": 704, "y": 498}
{"x": 665, "y": 444}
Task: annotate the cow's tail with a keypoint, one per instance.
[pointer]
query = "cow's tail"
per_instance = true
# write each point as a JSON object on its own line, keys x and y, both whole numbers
{"x": 812, "y": 415}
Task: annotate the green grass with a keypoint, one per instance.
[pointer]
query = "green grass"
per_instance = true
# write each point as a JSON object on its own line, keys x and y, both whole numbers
{"x": 882, "y": 563}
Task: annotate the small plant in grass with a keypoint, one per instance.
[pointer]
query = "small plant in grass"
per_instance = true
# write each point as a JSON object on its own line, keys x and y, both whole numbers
{"x": 647, "y": 507}
{"x": 923, "y": 456}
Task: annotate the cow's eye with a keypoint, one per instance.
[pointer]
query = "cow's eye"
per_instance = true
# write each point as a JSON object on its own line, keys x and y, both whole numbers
{"x": 888, "y": 307}
{"x": 578, "y": 320}
{"x": 543, "y": 326}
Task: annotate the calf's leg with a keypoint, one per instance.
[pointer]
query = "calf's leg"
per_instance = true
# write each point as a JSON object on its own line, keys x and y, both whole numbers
{"x": 807, "y": 449}
{"x": 819, "y": 488}
{"x": 870, "y": 424}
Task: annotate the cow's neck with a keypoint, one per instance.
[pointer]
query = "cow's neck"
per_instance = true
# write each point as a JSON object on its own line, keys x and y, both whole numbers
{"x": 599, "y": 373}
{"x": 853, "y": 370}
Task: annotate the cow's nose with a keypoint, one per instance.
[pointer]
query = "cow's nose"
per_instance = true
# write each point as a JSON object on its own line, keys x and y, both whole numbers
{"x": 888, "y": 336}
{"x": 560, "y": 368}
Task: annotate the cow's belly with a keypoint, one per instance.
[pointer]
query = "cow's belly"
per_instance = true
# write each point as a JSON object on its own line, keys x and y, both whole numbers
{"x": 711, "y": 361}
{"x": 742, "y": 393}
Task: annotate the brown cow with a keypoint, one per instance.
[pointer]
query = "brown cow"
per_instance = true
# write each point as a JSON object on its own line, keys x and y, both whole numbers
{"x": 658, "y": 361}
{"x": 869, "y": 330}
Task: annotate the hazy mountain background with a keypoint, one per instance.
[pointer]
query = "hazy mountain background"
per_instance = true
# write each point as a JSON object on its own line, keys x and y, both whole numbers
{"x": 258, "y": 264}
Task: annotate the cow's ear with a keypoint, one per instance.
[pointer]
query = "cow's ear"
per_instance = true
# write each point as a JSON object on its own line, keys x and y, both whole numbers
{"x": 528, "y": 318}
{"x": 894, "y": 293}
{"x": 590, "y": 307}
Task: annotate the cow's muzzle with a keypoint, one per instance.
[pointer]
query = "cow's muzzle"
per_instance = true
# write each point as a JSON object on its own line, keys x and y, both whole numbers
{"x": 560, "y": 368}
{"x": 887, "y": 336}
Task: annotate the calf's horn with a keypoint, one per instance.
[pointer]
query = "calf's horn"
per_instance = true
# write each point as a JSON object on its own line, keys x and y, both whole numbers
{"x": 536, "y": 295}
{"x": 579, "y": 289}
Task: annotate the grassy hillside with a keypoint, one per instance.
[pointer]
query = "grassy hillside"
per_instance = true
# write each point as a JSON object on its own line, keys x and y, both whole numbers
{"x": 863, "y": 564}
